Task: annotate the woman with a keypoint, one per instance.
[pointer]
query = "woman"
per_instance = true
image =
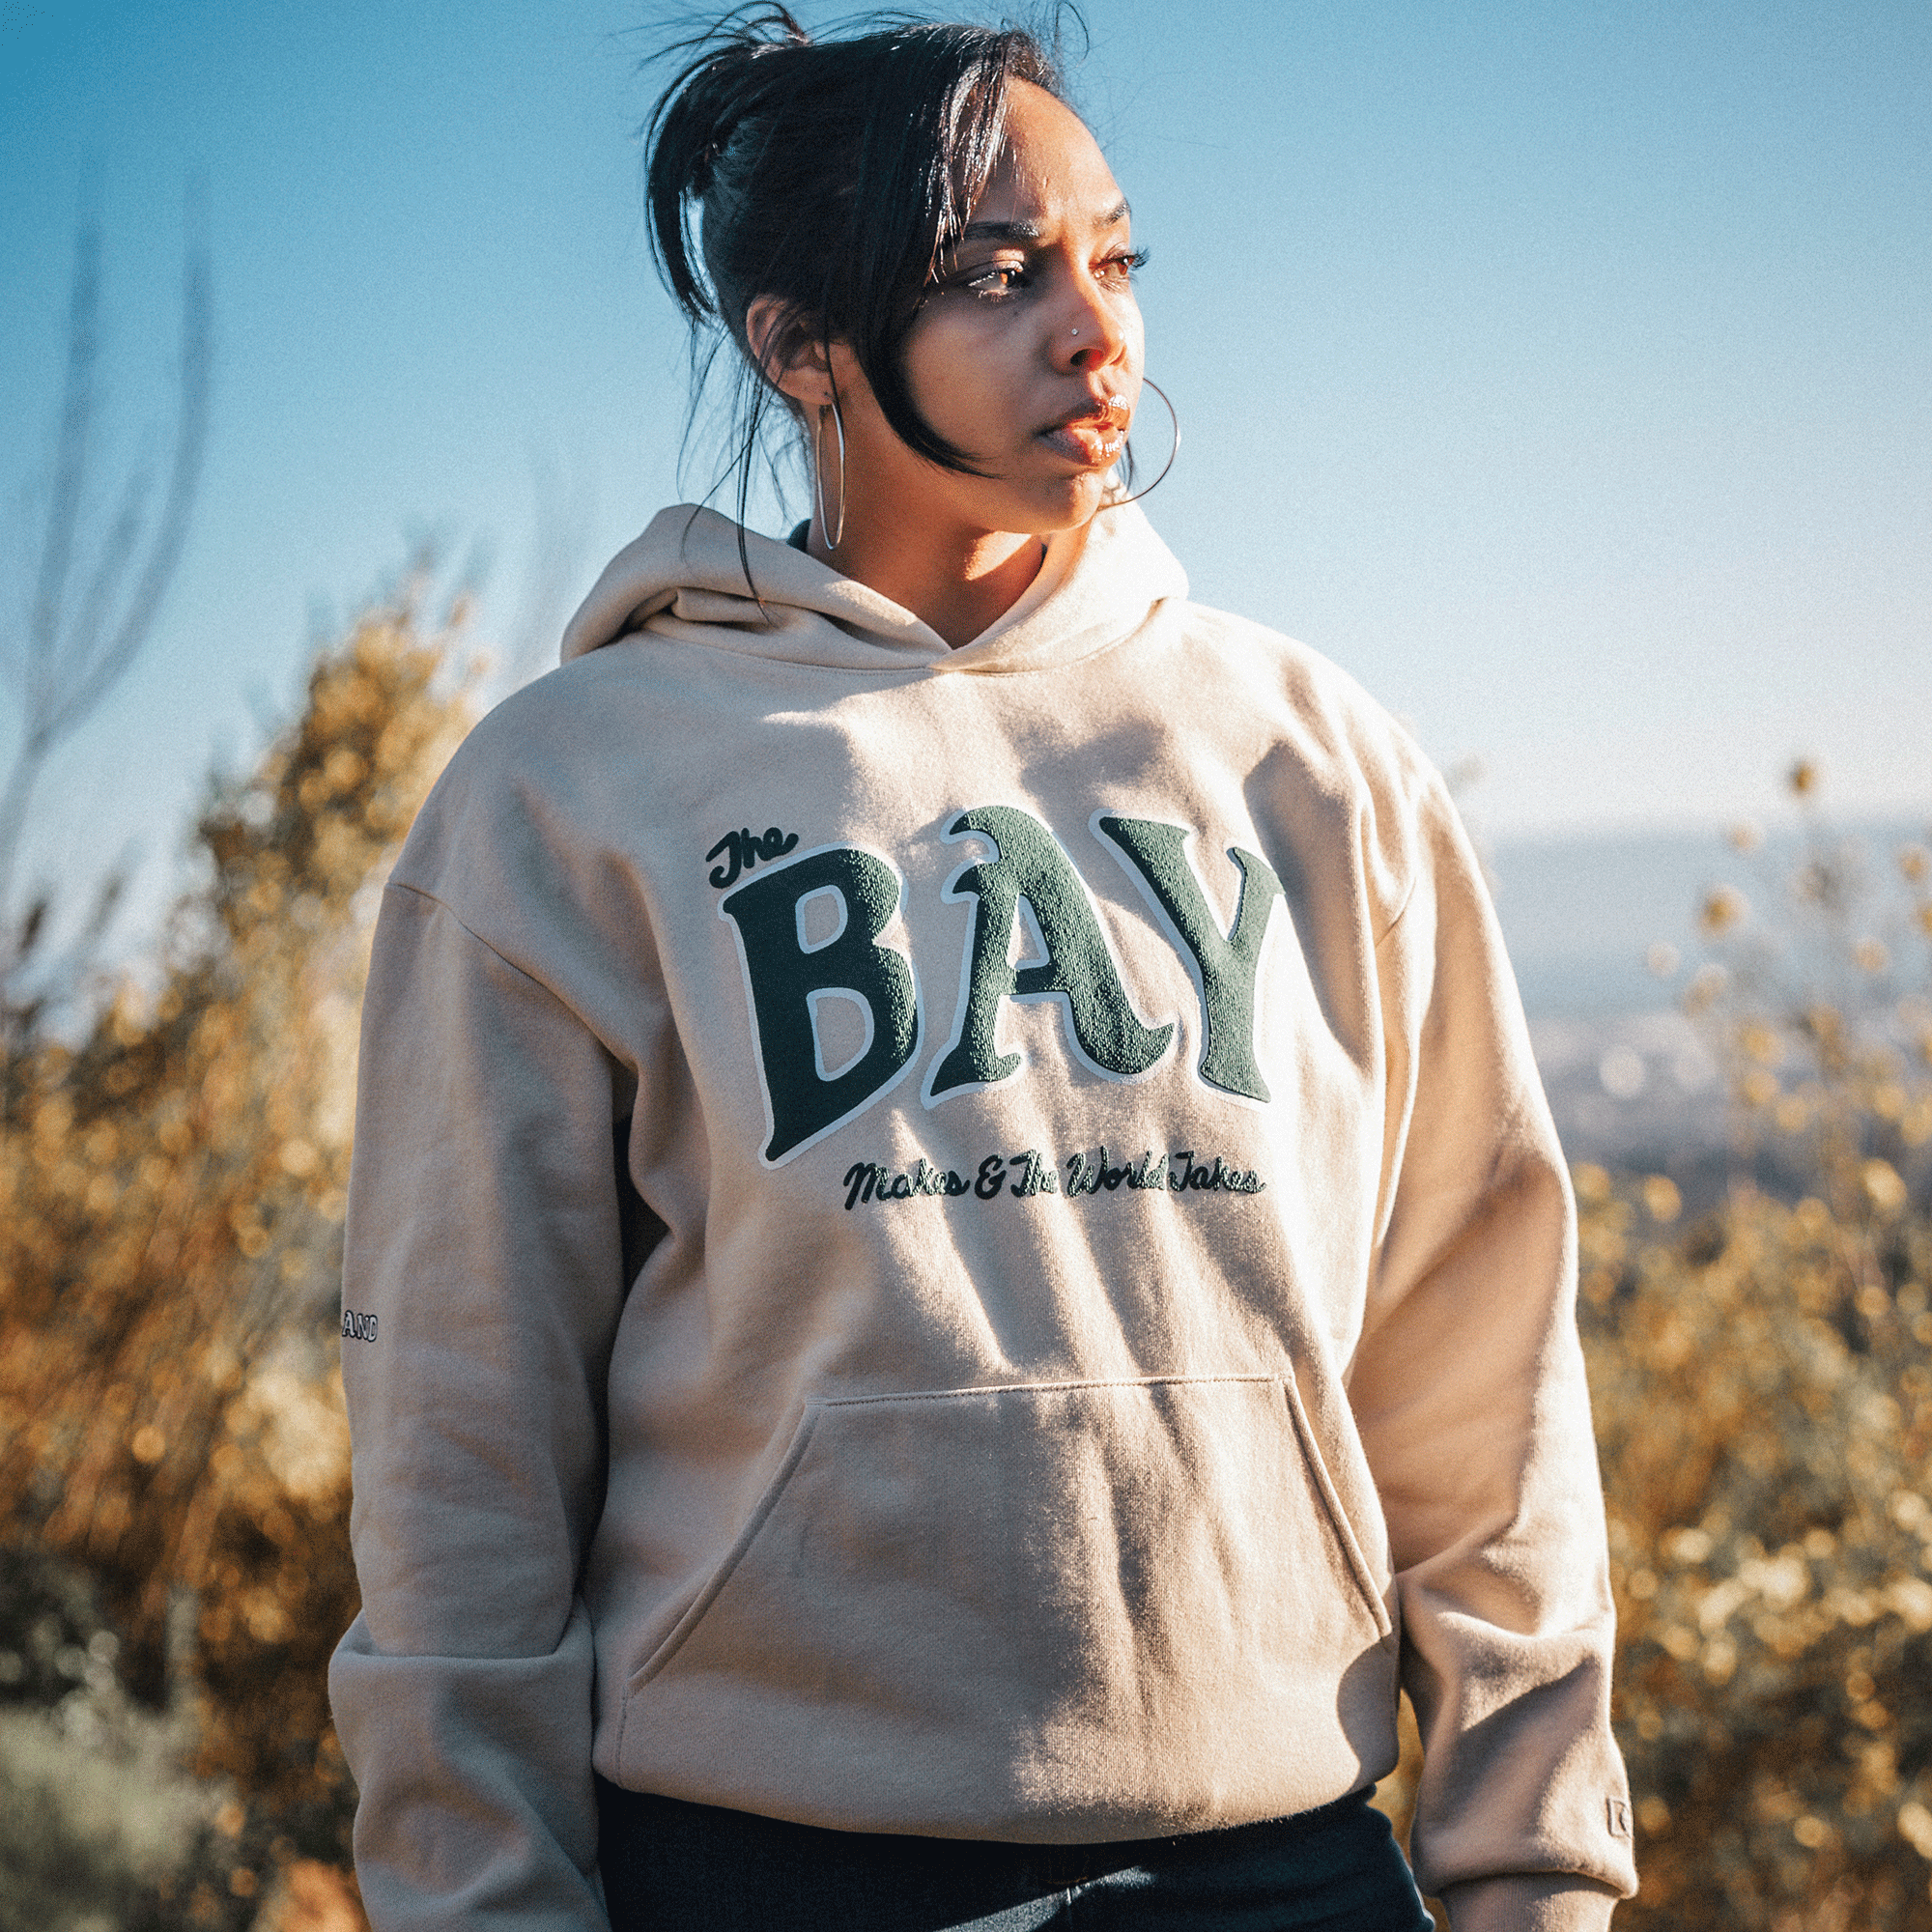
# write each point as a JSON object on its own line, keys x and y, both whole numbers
{"x": 962, "y": 1259}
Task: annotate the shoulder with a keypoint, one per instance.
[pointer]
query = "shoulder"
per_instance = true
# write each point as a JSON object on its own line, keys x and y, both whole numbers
{"x": 1339, "y": 714}
{"x": 528, "y": 794}
{"x": 1356, "y": 766}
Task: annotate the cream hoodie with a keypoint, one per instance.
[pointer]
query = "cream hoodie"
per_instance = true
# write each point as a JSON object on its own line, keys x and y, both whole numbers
{"x": 1081, "y": 1304}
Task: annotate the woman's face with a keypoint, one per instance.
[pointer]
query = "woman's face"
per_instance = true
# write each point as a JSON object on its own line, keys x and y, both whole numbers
{"x": 1027, "y": 353}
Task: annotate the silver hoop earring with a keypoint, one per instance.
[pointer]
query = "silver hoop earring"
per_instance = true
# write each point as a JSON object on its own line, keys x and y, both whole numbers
{"x": 1147, "y": 383}
{"x": 831, "y": 536}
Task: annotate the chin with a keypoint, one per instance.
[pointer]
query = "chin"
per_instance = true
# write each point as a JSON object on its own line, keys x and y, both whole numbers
{"x": 1066, "y": 503}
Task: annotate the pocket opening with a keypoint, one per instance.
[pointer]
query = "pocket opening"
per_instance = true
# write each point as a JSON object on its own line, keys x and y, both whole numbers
{"x": 1331, "y": 1501}
{"x": 762, "y": 1509}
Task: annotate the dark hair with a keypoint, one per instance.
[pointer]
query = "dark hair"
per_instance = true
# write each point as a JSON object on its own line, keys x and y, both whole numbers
{"x": 832, "y": 175}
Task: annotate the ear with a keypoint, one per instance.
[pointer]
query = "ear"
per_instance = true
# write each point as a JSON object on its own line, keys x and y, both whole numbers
{"x": 789, "y": 354}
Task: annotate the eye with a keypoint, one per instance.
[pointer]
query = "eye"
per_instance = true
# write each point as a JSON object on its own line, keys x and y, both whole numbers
{"x": 996, "y": 280}
{"x": 1121, "y": 269}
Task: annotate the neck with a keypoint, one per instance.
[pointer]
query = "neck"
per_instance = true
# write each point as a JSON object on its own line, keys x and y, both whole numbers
{"x": 960, "y": 581}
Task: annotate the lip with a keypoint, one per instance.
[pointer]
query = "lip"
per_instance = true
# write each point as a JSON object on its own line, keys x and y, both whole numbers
{"x": 1093, "y": 433}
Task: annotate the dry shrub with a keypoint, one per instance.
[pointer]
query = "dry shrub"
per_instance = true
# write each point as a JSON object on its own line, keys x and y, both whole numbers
{"x": 1816, "y": 996}
{"x": 1764, "y": 1414}
{"x": 171, "y": 1196}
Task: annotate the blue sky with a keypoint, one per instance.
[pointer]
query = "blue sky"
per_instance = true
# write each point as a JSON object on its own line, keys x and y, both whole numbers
{"x": 1560, "y": 369}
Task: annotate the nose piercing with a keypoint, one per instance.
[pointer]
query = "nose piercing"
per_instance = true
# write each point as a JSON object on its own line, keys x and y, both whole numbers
{"x": 1076, "y": 332}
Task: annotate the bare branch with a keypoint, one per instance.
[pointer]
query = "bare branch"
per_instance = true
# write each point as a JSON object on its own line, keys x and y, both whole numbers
{"x": 94, "y": 680}
{"x": 83, "y": 350}
{"x": 73, "y": 657}
{"x": 564, "y": 515}
{"x": 117, "y": 558}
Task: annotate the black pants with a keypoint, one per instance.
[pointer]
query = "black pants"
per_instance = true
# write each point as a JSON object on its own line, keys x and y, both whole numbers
{"x": 670, "y": 1864}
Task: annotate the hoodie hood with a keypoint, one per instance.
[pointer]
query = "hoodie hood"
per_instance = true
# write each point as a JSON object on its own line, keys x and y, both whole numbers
{"x": 684, "y": 578}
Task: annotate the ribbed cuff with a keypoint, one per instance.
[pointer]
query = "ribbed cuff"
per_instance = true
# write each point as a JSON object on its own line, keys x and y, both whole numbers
{"x": 1559, "y": 1903}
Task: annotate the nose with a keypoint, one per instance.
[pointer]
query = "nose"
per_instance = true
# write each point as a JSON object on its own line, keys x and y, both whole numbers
{"x": 1090, "y": 333}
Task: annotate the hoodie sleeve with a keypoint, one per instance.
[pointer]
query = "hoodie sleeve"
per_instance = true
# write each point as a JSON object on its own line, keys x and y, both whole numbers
{"x": 482, "y": 1285}
{"x": 1470, "y": 1393}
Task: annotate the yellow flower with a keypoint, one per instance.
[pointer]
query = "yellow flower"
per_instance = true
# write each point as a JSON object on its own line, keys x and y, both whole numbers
{"x": 1724, "y": 907}
{"x": 1882, "y": 1186}
{"x": 1592, "y": 1184}
{"x": 1803, "y": 778}
{"x": 1914, "y": 1827}
{"x": 1706, "y": 986}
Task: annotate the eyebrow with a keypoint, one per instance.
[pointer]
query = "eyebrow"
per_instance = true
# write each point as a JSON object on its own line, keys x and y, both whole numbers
{"x": 1029, "y": 231}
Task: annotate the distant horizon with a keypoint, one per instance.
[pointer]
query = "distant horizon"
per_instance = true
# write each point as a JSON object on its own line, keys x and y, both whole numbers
{"x": 1580, "y": 912}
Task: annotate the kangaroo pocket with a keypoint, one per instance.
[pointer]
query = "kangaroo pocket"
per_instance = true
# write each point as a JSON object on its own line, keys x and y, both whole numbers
{"x": 1055, "y": 1611}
